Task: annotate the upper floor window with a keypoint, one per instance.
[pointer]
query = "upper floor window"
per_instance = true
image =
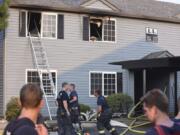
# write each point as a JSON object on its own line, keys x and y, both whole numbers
{"x": 32, "y": 76}
{"x": 99, "y": 29}
{"x": 44, "y": 24}
{"x": 49, "y": 25}
{"x": 108, "y": 82}
{"x": 151, "y": 35}
{"x": 109, "y": 30}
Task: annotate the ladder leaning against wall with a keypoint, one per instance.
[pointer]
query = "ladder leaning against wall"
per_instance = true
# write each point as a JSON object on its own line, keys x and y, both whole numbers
{"x": 41, "y": 63}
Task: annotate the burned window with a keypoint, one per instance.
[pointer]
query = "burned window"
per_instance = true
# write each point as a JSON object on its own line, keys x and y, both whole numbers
{"x": 44, "y": 24}
{"x": 96, "y": 29}
{"x": 34, "y": 23}
{"x": 102, "y": 29}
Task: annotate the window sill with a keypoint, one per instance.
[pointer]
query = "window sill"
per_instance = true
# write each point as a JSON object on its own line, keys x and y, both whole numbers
{"x": 109, "y": 42}
{"x": 44, "y": 38}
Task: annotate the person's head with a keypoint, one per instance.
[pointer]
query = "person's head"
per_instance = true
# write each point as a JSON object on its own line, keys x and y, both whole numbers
{"x": 72, "y": 87}
{"x": 31, "y": 97}
{"x": 155, "y": 102}
{"x": 97, "y": 93}
{"x": 178, "y": 103}
{"x": 65, "y": 86}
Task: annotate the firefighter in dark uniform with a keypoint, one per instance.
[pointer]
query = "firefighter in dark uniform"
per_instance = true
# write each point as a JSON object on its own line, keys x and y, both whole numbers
{"x": 74, "y": 109}
{"x": 104, "y": 115}
{"x": 63, "y": 113}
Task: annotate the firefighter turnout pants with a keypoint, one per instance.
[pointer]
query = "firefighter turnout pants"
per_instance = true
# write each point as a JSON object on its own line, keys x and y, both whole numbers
{"x": 64, "y": 123}
{"x": 75, "y": 120}
{"x": 103, "y": 121}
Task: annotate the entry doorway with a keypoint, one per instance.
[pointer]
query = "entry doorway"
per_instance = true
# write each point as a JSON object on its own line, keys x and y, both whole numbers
{"x": 154, "y": 78}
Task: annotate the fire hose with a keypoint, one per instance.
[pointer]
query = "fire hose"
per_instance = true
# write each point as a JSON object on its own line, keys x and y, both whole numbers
{"x": 132, "y": 125}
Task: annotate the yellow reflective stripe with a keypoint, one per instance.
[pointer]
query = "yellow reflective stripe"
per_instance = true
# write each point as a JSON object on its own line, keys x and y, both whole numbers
{"x": 101, "y": 131}
{"x": 112, "y": 129}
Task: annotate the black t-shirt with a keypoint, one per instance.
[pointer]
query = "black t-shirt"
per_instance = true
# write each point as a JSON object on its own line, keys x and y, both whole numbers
{"x": 62, "y": 96}
{"x": 167, "y": 130}
{"x": 23, "y": 126}
{"x": 75, "y": 103}
{"x": 101, "y": 101}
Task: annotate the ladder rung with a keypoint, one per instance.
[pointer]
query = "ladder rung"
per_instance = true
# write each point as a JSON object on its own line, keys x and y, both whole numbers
{"x": 54, "y": 101}
{"x": 42, "y": 65}
{"x": 38, "y": 48}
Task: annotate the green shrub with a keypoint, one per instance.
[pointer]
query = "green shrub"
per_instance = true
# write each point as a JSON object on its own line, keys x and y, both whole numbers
{"x": 13, "y": 109}
{"x": 84, "y": 108}
{"x": 120, "y": 102}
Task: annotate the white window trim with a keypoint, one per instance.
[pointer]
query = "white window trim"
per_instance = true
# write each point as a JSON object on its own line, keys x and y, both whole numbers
{"x": 113, "y": 19}
{"x": 43, "y": 71}
{"x": 102, "y": 72}
{"x": 48, "y": 13}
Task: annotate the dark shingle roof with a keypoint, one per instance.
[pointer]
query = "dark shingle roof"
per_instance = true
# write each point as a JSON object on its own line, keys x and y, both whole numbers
{"x": 145, "y": 9}
{"x": 159, "y": 54}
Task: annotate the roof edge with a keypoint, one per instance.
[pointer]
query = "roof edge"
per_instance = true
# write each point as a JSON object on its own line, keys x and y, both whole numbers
{"x": 94, "y": 12}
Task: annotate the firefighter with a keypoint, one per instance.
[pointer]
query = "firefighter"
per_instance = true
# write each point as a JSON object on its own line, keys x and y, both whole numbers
{"x": 104, "y": 115}
{"x": 63, "y": 113}
{"x": 74, "y": 109}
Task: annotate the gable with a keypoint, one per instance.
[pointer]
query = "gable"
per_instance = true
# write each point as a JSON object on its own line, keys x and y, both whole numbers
{"x": 160, "y": 54}
{"x": 100, "y": 5}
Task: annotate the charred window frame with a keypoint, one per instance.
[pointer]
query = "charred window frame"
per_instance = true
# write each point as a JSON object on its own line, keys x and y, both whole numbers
{"x": 34, "y": 23}
{"x": 102, "y": 29}
{"x": 151, "y": 35}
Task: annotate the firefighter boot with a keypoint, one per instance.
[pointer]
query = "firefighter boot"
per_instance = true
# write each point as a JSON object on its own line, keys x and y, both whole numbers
{"x": 101, "y": 132}
{"x": 113, "y": 131}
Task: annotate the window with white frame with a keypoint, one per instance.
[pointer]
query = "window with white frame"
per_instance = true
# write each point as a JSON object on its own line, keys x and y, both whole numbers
{"x": 32, "y": 76}
{"x": 44, "y": 24}
{"x": 151, "y": 35}
{"x": 102, "y": 29}
{"x": 109, "y": 30}
{"x": 104, "y": 81}
{"x": 49, "y": 22}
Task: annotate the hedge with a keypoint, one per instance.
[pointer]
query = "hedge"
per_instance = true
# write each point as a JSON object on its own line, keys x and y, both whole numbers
{"x": 120, "y": 102}
{"x": 13, "y": 109}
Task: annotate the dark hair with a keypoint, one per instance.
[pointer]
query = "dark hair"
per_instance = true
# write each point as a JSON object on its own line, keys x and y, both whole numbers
{"x": 98, "y": 91}
{"x": 156, "y": 97}
{"x": 73, "y": 85}
{"x": 30, "y": 96}
{"x": 64, "y": 84}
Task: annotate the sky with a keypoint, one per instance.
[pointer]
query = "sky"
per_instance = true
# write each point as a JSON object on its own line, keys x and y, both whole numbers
{"x": 173, "y": 1}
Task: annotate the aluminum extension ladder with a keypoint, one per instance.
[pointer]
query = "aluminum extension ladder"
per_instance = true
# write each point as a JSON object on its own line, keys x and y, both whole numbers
{"x": 41, "y": 63}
